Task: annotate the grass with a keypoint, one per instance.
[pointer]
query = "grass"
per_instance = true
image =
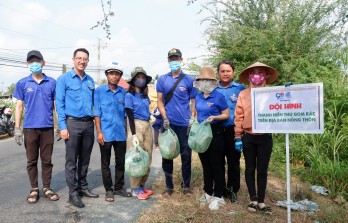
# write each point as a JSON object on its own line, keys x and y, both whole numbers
{"x": 180, "y": 208}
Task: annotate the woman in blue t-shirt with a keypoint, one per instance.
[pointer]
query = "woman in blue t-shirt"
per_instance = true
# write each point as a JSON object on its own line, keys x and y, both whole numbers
{"x": 139, "y": 131}
{"x": 211, "y": 107}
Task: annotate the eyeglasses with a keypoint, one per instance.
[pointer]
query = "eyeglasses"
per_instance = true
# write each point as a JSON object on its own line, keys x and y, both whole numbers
{"x": 81, "y": 59}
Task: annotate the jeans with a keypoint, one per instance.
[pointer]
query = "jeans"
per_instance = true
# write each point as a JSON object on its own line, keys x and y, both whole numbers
{"x": 78, "y": 153}
{"x": 233, "y": 160}
{"x": 105, "y": 156}
{"x": 186, "y": 155}
{"x": 257, "y": 153}
{"x": 39, "y": 141}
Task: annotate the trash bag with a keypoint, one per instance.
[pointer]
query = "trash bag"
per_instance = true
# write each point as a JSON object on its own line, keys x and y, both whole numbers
{"x": 168, "y": 143}
{"x": 137, "y": 162}
{"x": 200, "y": 136}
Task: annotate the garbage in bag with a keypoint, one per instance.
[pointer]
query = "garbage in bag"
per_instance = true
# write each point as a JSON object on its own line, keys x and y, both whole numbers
{"x": 304, "y": 205}
{"x": 137, "y": 162}
{"x": 168, "y": 143}
{"x": 200, "y": 136}
{"x": 320, "y": 190}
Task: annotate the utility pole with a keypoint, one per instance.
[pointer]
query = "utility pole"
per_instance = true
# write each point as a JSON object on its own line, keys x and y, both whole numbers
{"x": 103, "y": 46}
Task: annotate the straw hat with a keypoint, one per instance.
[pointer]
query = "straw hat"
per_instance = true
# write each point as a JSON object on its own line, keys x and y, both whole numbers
{"x": 207, "y": 73}
{"x": 271, "y": 74}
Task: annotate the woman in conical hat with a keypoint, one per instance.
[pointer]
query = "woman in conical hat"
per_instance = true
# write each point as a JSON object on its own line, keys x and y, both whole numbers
{"x": 257, "y": 148}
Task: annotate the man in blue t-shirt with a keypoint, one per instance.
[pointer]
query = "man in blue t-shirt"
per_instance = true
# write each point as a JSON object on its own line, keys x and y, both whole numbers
{"x": 176, "y": 114}
{"x": 230, "y": 90}
{"x": 36, "y": 93}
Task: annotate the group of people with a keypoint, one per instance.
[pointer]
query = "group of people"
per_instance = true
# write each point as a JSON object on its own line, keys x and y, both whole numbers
{"x": 123, "y": 120}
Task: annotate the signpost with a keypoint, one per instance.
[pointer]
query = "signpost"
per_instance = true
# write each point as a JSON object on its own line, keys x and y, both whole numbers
{"x": 295, "y": 109}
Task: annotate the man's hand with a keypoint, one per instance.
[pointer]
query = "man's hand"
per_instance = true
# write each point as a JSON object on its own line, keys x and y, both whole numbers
{"x": 210, "y": 119}
{"x": 64, "y": 134}
{"x": 58, "y": 135}
{"x": 18, "y": 136}
{"x": 135, "y": 140}
{"x": 100, "y": 138}
{"x": 166, "y": 123}
{"x": 238, "y": 145}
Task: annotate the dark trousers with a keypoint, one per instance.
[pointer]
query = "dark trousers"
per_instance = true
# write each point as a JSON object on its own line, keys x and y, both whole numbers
{"x": 186, "y": 155}
{"x": 105, "y": 155}
{"x": 233, "y": 157}
{"x": 39, "y": 141}
{"x": 257, "y": 153}
{"x": 213, "y": 164}
{"x": 78, "y": 153}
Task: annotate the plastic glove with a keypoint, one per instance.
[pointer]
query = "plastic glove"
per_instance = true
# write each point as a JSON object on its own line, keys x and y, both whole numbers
{"x": 166, "y": 123}
{"x": 288, "y": 84}
{"x": 18, "y": 136}
{"x": 192, "y": 120}
{"x": 135, "y": 140}
{"x": 152, "y": 119}
{"x": 238, "y": 145}
{"x": 58, "y": 137}
{"x": 209, "y": 120}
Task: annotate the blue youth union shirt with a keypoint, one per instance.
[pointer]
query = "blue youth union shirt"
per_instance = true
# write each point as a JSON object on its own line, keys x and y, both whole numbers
{"x": 139, "y": 105}
{"x": 214, "y": 104}
{"x": 231, "y": 93}
{"x": 74, "y": 97}
{"x": 178, "y": 108}
{"x": 109, "y": 107}
{"x": 38, "y": 100}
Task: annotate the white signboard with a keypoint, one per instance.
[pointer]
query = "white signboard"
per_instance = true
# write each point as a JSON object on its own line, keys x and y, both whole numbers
{"x": 294, "y": 109}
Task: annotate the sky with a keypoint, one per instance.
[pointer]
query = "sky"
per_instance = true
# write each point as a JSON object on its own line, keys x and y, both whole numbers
{"x": 142, "y": 33}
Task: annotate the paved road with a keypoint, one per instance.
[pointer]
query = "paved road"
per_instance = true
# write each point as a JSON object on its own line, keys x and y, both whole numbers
{"x": 14, "y": 187}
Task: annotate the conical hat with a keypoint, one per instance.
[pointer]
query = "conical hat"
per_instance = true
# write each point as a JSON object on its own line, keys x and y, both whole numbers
{"x": 272, "y": 74}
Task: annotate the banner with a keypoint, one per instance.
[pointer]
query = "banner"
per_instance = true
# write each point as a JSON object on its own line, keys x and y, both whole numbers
{"x": 294, "y": 109}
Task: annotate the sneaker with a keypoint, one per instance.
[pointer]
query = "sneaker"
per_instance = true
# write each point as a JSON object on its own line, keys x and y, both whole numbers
{"x": 146, "y": 191}
{"x": 205, "y": 199}
{"x": 140, "y": 194}
{"x": 216, "y": 203}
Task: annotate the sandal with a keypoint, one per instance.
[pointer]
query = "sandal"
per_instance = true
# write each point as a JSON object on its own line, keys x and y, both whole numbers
{"x": 109, "y": 196}
{"x": 252, "y": 207}
{"x": 34, "y": 194}
{"x": 48, "y": 193}
{"x": 266, "y": 210}
{"x": 122, "y": 192}
{"x": 167, "y": 193}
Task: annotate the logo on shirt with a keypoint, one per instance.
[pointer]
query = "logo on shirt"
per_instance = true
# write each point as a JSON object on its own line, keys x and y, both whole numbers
{"x": 182, "y": 88}
{"x": 210, "y": 104}
{"x": 234, "y": 97}
{"x": 121, "y": 101}
{"x": 29, "y": 89}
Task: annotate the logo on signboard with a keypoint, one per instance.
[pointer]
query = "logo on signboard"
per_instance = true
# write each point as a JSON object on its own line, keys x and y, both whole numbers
{"x": 283, "y": 96}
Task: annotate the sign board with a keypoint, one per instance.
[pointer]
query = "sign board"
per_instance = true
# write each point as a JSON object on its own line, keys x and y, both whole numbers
{"x": 294, "y": 109}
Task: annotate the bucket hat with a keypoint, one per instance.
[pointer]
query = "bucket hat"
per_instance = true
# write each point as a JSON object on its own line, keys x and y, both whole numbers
{"x": 207, "y": 73}
{"x": 136, "y": 71}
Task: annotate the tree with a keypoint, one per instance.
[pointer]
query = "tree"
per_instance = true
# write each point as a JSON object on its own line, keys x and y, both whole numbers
{"x": 11, "y": 89}
{"x": 104, "y": 23}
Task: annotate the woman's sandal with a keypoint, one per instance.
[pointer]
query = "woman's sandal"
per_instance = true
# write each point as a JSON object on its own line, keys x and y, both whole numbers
{"x": 252, "y": 207}
{"x": 48, "y": 193}
{"x": 109, "y": 196}
{"x": 266, "y": 210}
{"x": 33, "y": 194}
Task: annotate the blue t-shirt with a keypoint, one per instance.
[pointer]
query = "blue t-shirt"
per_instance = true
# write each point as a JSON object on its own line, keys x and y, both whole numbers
{"x": 214, "y": 104}
{"x": 231, "y": 93}
{"x": 139, "y": 105}
{"x": 74, "y": 96}
{"x": 38, "y": 101}
{"x": 109, "y": 107}
{"x": 178, "y": 108}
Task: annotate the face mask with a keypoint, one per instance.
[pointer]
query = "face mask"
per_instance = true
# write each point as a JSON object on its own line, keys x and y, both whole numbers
{"x": 174, "y": 65}
{"x": 140, "y": 82}
{"x": 35, "y": 67}
{"x": 206, "y": 86}
{"x": 257, "y": 78}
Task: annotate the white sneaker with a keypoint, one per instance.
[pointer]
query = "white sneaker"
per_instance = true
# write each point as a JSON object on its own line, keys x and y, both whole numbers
{"x": 205, "y": 199}
{"x": 216, "y": 203}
